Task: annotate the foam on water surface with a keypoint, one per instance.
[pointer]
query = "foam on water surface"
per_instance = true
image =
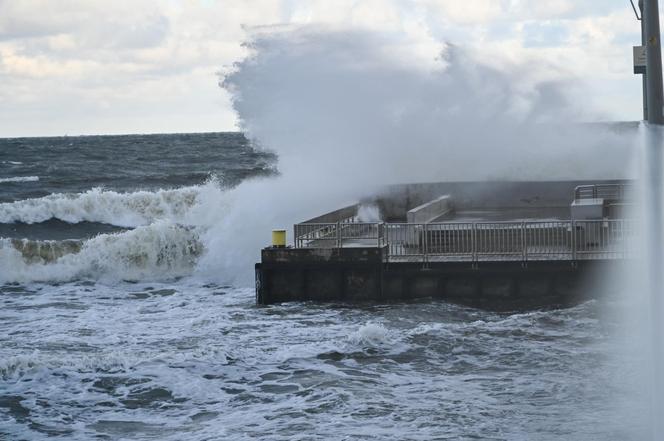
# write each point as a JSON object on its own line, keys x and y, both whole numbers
{"x": 19, "y": 179}
{"x": 188, "y": 360}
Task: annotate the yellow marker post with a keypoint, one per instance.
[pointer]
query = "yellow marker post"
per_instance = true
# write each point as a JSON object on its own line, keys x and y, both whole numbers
{"x": 279, "y": 238}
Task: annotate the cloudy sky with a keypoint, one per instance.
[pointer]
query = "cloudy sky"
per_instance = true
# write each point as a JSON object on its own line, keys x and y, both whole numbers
{"x": 147, "y": 66}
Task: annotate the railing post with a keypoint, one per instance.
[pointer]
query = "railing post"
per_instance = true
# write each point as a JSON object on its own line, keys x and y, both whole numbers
{"x": 622, "y": 237}
{"x": 573, "y": 224}
{"x": 426, "y": 244}
{"x": 524, "y": 248}
{"x": 473, "y": 240}
{"x": 339, "y": 239}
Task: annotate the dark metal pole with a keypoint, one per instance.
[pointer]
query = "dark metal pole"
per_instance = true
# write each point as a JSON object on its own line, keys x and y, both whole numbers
{"x": 654, "y": 62}
{"x": 645, "y": 75}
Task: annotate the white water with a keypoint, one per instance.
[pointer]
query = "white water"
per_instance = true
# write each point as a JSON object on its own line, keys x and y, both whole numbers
{"x": 106, "y": 206}
{"x": 191, "y": 359}
{"x": 368, "y": 213}
{"x": 346, "y": 116}
{"x": 173, "y": 361}
{"x": 650, "y": 274}
{"x": 20, "y": 179}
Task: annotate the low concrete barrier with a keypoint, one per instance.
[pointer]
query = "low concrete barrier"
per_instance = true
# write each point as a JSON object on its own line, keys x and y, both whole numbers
{"x": 430, "y": 211}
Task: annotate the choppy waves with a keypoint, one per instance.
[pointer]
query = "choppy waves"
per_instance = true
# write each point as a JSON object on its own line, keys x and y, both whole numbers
{"x": 198, "y": 362}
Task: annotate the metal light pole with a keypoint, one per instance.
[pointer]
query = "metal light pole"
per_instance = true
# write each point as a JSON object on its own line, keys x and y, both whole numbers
{"x": 655, "y": 95}
{"x": 645, "y": 75}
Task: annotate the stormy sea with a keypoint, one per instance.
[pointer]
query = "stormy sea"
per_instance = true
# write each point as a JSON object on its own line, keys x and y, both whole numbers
{"x": 124, "y": 316}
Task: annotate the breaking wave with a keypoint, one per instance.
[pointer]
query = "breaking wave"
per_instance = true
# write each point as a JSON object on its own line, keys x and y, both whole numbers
{"x": 110, "y": 207}
{"x": 169, "y": 234}
{"x": 158, "y": 251}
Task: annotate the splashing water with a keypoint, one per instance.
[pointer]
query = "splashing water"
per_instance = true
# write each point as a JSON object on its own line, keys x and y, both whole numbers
{"x": 651, "y": 271}
{"x": 144, "y": 356}
{"x": 346, "y": 116}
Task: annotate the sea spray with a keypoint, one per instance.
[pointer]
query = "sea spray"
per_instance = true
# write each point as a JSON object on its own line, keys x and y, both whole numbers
{"x": 653, "y": 213}
{"x": 368, "y": 213}
{"x": 343, "y": 113}
{"x": 347, "y": 117}
{"x": 633, "y": 317}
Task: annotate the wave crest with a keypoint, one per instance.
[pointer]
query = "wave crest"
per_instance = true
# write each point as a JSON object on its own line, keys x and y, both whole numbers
{"x": 97, "y": 205}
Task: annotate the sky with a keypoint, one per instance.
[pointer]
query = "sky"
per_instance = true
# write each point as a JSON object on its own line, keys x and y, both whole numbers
{"x": 73, "y": 67}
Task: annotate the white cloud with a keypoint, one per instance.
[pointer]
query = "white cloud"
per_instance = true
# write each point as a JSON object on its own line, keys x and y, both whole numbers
{"x": 90, "y": 66}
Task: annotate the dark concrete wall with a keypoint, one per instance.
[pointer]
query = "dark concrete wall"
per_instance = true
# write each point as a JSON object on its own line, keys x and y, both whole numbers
{"x": 335, "y": 274}
{"x": 360, "y": 275}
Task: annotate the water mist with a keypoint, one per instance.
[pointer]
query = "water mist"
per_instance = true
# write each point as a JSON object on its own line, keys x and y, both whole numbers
{"x": 653, "y": 215}
{"x": 347, "y": 114}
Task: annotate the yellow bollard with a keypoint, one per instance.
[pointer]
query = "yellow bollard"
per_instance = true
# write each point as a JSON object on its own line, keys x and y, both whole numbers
{"x": 279, "y": 238}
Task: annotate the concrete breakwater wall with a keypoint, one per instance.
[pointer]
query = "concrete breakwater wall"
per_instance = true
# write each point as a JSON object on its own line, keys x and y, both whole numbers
{"x": 361, "y": 275}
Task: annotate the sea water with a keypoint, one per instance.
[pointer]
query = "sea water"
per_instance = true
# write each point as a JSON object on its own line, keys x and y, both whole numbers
{"x": 109, "y": 329}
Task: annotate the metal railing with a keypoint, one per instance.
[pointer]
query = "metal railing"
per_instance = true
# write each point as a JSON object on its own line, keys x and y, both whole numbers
{"x": 615, "y": 192}
{"x": 479, "y": 241}
{"x": 339, "y": 234}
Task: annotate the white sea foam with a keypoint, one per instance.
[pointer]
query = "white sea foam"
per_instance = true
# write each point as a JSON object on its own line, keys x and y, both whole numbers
{"x": 12, "y": 162}
{"x": 110, "y": 207}
{"x": 20, "y": 179}
{"x": 18, "y": 366}
{"x": 158, "y": 251}
{"x": 370, "y": 334}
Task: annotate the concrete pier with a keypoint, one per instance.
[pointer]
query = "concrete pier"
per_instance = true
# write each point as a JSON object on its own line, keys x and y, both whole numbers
{"x": 484, "y": 254}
